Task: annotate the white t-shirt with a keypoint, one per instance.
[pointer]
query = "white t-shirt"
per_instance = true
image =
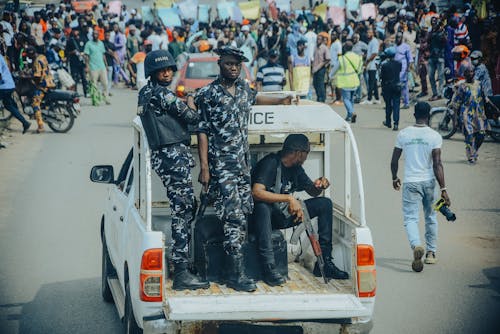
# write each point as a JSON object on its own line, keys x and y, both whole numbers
{"x": 417, "y": 144}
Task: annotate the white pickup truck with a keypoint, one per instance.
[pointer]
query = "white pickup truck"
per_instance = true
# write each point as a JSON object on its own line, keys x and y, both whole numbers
{"x": 135, "y": 231}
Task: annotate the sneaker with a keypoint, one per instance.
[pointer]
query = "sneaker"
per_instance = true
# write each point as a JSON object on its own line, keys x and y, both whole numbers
{"x": 353, "y": 118}
{"x": 376, "y": 102}
{"x": 430, "y": 257}
{"x": 386, "y": 124}
{"x": 366, "y": 102}
{"x": 395, "y": 128}
{"x": 417, "y": 265}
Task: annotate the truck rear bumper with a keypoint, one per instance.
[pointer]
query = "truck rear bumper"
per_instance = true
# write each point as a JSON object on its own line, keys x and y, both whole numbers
{"x": 159, "y": 325}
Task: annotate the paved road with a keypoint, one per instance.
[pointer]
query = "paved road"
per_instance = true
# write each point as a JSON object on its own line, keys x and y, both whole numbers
{"x": 50, "y": 247}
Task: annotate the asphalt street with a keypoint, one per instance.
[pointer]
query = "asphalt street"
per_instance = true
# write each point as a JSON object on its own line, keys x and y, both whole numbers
{"x": 50, "y": 246}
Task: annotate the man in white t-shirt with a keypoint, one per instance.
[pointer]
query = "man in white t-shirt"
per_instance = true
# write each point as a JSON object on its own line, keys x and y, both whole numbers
{"x": 422, "y": 167}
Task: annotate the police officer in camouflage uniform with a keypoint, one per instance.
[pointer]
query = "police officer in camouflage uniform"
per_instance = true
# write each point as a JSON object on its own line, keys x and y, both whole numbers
{"x": 165, "y": 119}
{"x": 224, "y": 106}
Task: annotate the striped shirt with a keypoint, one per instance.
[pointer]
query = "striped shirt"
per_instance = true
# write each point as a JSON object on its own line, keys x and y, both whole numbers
{"x": 271, "y": 76}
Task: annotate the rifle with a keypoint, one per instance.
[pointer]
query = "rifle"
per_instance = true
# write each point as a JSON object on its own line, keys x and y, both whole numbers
{"x": 313, "y": 239}
{"x": 199, "y": 212}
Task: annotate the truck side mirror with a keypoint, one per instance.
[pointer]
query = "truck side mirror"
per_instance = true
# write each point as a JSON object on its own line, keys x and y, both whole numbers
{"x": 102, "y": 174}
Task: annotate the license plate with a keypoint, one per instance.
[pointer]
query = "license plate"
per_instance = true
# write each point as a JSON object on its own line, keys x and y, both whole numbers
{"x": 77, "y": 106}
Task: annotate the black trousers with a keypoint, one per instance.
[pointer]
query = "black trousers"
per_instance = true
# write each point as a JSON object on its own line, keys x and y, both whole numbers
{"x": 372, "y": 85}
{"x": 265, "y": 217}
{"x": 78, "y": 73}
{"x": 319, "y": 84}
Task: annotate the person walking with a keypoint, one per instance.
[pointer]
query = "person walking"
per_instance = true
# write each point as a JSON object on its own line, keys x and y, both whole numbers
{"x": 347, "y": 71}
{"x": 165, "y": 119}
{"x": 223, "y": 148}
{"x": 391, "y": 87}
{"x": 320, "y": 63}
{"x": 403, "y": 55}
{"x": 74, "y": 51}
{"x": 371, "y": 68}
{"x": 7, "y": 87}
{"x": 422, "y": 167}
{"x": 437, "y": 45}
{"x": 468, "y": 104}
{"x": 96, "y": 63}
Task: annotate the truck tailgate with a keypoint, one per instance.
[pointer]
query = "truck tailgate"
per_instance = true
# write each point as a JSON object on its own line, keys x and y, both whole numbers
{"x": 302, "y": 297}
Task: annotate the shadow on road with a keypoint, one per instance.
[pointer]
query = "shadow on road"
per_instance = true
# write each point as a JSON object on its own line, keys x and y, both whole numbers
{"x": 493, "y": 274}
{"x": 66, "y": 307}
{"x": 398, "y": 265}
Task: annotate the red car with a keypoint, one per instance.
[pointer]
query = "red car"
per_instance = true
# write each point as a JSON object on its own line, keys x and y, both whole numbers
{"x": 199, "y": 70}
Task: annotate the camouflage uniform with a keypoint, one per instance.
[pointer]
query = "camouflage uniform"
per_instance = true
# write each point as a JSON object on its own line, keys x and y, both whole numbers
{"x": 224, "y": 119}
{"x": 173, "y": 162}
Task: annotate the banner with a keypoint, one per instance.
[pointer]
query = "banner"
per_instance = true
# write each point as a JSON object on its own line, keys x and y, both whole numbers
{"x": 188, "y": 9}
{"x": 203, "y": 13}
{"x": 336, "y": 3}
{"x": 169, "y": 17}
{"x": 250, "y": 10}
{"x": 338, "y": 15}
{"x": 115, "y": 7}
{"x": 284, "y": 5}
{"x": 164, "y": 3}
{"x": 368, "y": 10}
{"x": 352, "y": 5}
{"x": 147, "y": 14}
{"x": 321, "y": 11}
{"x": 225, "y": 9}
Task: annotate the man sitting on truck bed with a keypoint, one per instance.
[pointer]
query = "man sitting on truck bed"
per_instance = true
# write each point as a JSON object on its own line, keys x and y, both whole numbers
{"x": 275, "y": 206}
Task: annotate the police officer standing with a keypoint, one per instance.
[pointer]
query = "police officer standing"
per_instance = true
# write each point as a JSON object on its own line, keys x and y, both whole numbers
{"x": 165, "y": 120}
{"x": 223, "y": 148}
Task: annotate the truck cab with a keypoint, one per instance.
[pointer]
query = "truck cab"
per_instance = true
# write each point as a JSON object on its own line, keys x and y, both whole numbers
{"x": 136, "y": 238}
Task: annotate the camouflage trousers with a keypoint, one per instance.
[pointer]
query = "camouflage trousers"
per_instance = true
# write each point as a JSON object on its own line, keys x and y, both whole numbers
{"x": 173, "y": 165}
{"x": 233, "y": 204}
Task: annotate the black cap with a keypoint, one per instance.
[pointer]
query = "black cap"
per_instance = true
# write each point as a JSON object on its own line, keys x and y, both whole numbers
{"x": 273, "y": 53}
{"x": 231, "y": 51}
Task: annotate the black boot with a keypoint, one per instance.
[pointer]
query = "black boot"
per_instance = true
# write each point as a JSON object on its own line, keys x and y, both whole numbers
{"x": 236, "y": 277}
{"x": 183, "y": 279}
{"x": 271, "y": 276}
{"x": 331, "y": 270}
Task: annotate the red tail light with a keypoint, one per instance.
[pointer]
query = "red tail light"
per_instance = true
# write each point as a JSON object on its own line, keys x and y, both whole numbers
{"x": 152, "y": 275}
{"x": 76, "y": 100}
{"x": 367, "y": 274}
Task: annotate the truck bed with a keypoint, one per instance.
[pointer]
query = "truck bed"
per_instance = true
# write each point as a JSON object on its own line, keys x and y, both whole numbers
{"x": 300, "y": 281}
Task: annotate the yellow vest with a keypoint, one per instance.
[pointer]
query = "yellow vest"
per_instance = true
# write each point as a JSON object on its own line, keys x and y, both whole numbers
{"x": 347, "y": 75}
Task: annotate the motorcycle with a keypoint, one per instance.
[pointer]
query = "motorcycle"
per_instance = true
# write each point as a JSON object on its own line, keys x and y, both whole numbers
{"x": 59, "y": 107}
{"x": 446, "y": 122}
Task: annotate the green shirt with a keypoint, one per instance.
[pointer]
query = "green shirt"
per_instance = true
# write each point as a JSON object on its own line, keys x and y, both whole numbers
{"x": 95, "y": 51}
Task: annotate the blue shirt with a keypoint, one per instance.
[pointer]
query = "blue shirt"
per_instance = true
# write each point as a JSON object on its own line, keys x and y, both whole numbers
{"x": 8, "y": 82}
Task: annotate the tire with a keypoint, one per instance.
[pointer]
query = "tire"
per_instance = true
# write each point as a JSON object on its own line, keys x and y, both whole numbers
{"x": 129, "y": 324}
{"x": 495, "y": 136}
{"x": 65, "y": 119}
{"x": 442, "y": 123}
{"x": 107, "y": 271}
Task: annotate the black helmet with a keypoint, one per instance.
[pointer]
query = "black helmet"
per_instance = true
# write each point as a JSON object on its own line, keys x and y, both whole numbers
{"x": 157, "y": 60}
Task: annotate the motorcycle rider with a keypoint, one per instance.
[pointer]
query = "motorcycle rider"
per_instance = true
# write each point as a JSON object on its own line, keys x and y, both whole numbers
{"x": 481, "y": 73}
{"x": 165, "y": 119}
{"x": 42, "y": 79}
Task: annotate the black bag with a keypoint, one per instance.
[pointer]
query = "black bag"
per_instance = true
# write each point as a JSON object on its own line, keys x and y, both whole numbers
{"x": 210, "y": 258}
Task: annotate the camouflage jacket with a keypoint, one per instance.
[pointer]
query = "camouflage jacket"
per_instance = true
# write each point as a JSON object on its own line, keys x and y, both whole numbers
{"x": 224, "y": 119}
{"x": 165, "y": 118}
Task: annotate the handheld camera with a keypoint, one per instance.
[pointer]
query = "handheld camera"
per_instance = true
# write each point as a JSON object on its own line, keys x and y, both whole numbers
{"x": 441, "y": 206}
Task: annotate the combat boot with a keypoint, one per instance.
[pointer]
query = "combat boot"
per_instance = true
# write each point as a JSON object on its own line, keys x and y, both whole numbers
{"x": 183, "y": 279}
{"x": 235, "y": 275}
{"x": 331, "y": 270}
{"x": 271, "y": 276}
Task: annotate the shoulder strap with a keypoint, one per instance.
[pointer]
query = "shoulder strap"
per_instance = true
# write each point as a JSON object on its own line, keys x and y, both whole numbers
{"x": 277, "y": 183}
{"x": 355, "y": 69}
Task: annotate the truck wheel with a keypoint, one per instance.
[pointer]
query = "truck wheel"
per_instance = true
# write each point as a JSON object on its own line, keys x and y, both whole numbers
{"x": 107, "y": 271}
{"x": 130, "y": 325}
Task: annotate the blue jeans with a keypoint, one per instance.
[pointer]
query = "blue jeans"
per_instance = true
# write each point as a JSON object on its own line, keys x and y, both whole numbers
{"x": 348, "y": 98}
{"x": 10, "y": 105}
{"x": 413, "y": 193}
{"x": 436, "y": 64}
